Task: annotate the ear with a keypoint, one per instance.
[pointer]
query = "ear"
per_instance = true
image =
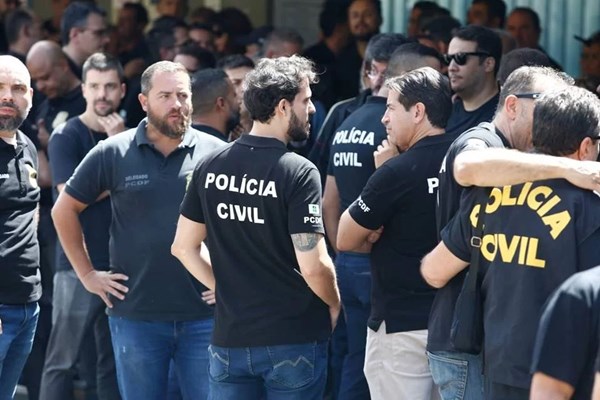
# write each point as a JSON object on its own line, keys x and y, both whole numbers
{"x": 73, "y": 33}
{"x": 221, "y": 103}
{"x": 587, "y": 150}
{"x": 123, "y": 90}
{"x": 489, "y": 64}
{"x": 419, "y": 113}
{"x": 282, "y": 107}
{"x": 143, "y": 101}
{"x": 510, "y": 107}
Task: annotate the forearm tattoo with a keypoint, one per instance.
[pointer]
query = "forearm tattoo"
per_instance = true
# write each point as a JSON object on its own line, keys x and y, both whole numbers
{"x": 305, "y": 241}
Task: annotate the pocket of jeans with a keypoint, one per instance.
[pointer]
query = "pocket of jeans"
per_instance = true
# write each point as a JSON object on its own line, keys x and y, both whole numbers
{"x": 293, "y": 365}
{"x": 218, "y": 363}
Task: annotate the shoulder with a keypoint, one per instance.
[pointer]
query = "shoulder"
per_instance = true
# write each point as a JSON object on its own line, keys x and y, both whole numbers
{"x": 582, "y": 285}
{"x": 205, "y": 141}
{"x": 29, "y": 145}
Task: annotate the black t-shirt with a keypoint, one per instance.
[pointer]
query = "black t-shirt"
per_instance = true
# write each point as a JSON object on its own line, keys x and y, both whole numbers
{"x": 252, "y": 195}
{"x": 346, "y": 82}
{"x": 536, "y": 235}
{"x": 68, "y": 145}
{"x": 319, "y": 152}
{"x": 211, "y": 131}
{"x": 440, "y": 321}
{"x": 146, "y": 190}
{"x": 400, "y": 196}
{"x": 351, "y": 158}
{"x": 19, "y": 197}
{"x": 461, "y": 120}
{"x": 567, "y": 340}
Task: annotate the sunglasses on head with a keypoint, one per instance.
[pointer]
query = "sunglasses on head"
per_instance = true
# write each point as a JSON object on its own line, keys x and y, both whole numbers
{"x": 461, "y": 58}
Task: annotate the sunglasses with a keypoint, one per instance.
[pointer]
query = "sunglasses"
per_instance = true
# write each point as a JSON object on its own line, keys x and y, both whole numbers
{"x": 533, "y": 96}
{"x": 461, "y": 58}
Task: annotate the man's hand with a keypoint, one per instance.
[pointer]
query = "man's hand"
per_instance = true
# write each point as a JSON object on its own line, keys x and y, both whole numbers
{"x": 384, "y": 152}
{"x": 209, "y": 297}
{"x": 334, "y": 313}
{"x": 104, "y": 283}
{"x": 375, "y": 235}
{"x": 43, "y": 134}
{"x": 585, "y": 174}
{"x": 112, "y": 124}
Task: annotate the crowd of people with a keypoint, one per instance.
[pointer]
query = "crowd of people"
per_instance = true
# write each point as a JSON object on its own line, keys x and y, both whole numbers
{"x": 193, "y": 208}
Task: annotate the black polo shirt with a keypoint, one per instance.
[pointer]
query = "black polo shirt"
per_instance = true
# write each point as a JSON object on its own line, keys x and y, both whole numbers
{"x": 68, "y": 145}
{"x": 146, "y": 189}
{"x": 252, "y": 195}
{"x": 19, "y": 196}
{"x": 536, "y": 236}
{"x": 567, "y": 338}
{"x": 461, "y": 119}
{"x": 400, "y": 196}
{"x": 484, "y": 135}
{"x": 211, "y": 131}
{"x": 351, "y": 159}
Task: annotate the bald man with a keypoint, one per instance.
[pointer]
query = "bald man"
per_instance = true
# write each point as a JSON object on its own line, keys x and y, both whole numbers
{"x": 20, "y": 287}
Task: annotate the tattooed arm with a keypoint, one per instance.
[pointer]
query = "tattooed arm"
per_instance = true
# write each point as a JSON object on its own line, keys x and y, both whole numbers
{"x": 317, "y": 269}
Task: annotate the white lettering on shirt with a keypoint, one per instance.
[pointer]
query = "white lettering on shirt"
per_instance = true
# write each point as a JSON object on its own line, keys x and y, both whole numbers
{"x": 232, "y": 183}
{"x": 432, "y": 184}
{"x": 354, "y": 136}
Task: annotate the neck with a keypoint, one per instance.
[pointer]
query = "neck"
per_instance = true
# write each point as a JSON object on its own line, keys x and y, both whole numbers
{"x": 90, "y": 119}
{"x": 212, "y": 121}
{"x": 425, "y": 131}
{"x": 269, "y": 130}
{"x": 8, "y": 134}
{"x": 478, "y": 96}
{"x": 20, "y": 47}
{"x": 335, "y": 43}
{"x": 503, "y": 125}
{"x": 162, "y": 143}
{"x": 74, "y": 55}
{"x": 361, "y": 46}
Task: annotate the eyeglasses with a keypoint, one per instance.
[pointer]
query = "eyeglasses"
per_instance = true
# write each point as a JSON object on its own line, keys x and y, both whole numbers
{"x": 533, "y": 96}
{"x": 374, "y": 73}
{"x": 461, "y": 58}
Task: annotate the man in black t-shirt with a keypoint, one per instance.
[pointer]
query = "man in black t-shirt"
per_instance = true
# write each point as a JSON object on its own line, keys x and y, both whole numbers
{"x": 156, "y": 311}
{"x": 77, "y": 312}
{"x": 536, "y": 234}
{"x": 20, "y": 287}
{"x": 511, "y": 128}
{"x": 473, "y": 60}
{"x": 567, "y": 341}
{"x": 258, "y": 206}
{"x": 400, "y": 198}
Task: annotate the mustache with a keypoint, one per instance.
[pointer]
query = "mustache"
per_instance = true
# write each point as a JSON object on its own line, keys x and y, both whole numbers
{"x": 9, "y": 104}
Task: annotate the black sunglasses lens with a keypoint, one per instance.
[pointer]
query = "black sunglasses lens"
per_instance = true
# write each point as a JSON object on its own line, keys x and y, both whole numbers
{"x": 460, "y": 58}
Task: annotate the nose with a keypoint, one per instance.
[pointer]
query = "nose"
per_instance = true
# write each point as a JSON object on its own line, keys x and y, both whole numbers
{"x": 6, "y": 94}
{"x": 385, "y": 118}
{"x": 311, "y": 107}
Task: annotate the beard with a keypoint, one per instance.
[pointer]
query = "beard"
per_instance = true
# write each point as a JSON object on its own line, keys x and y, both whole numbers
{"x": 297, "y": 131}
{"x": 11, "y": 123}
{"x": 173, "y": 130}
{"x": 232, "y": 121}
{"x": 107, "y": 111}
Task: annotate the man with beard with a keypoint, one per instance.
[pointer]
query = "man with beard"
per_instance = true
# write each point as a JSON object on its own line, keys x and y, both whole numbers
{"x": 20, "y": 287}
{"x": 157, "y": 311}
{"x": 216, "y": 108}
{"x": 277, "y": 295}
{"x": 77, "y": 312}
{"x": 364, "y": 19}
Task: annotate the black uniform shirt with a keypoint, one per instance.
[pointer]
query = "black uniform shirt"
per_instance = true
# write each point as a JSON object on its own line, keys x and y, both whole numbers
{"x": 19, "y": 196}
{"x": 400, "y": 196}
{"x": 252, "y": 195}
{"x": 461, "y": 119}
{"x": 146, "y": 189}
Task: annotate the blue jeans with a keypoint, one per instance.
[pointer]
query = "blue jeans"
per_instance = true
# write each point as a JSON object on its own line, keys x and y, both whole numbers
{"x": 16, "y": 340}
{"x": 457, "y": 375}
{"x": 143, "y": 354}
{"x": 354, "y": 279}
{"x": 285, "y": 372}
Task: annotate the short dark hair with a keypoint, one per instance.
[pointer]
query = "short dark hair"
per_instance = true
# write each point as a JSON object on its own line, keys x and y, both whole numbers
{"x": 408, "y": 57}
{"x": 159, "y": 67}
{"x": 561, "y": 120}
{"x": 273, "y": 80}
{"x": 75, "y": 16}
{"x": 382, "y": 45}
{"x": 496, "y": 8}
{"x": 535, "y": 18}
{"x": 14, "y": 22}
{"x": 284, "y": 35}
{"x": 235, "y": 61}
{"x": 428, "y": 86}
{"x": 333, "y": 14}
{"x": 207, "y": 86}
{"x": 487, "y": 41}
{"x": 206, "y": 58}
{"x": 519, "y": 58}
{"x": 441, "y": 28}
{"x": 167, "y": 22}
{"x": 141, "y": 14}
{"x": 523, "y": 79}
{"x": 102, "y": 62}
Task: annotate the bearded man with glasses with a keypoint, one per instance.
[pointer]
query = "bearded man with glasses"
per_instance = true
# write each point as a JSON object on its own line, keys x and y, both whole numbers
{"x": 473, "y": 60}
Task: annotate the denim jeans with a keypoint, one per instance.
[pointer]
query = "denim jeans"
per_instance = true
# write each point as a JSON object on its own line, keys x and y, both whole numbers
{"x": 457, "y": 375}
{"x": 354, "y": 279}
{"x": 285, "y": 372}
{"x": 143, "y": 354}
{"x": 16, "y": 340}
{"x": 76, "y": 316}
